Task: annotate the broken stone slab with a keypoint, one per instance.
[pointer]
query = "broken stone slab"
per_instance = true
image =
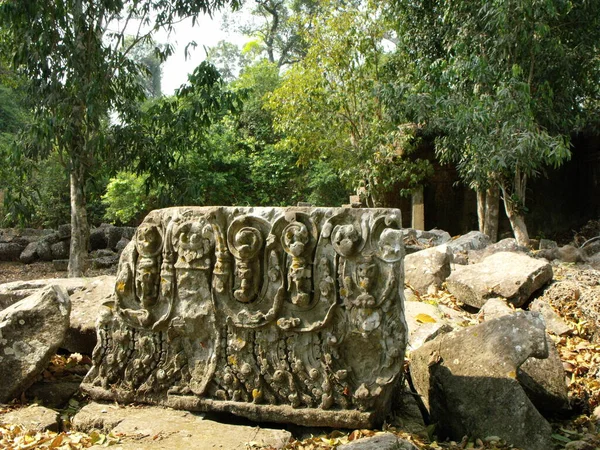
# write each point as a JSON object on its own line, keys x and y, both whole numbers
{"x": 467, "y": 380}
{"x": 416, "y": 240}
{"x": 275, "y": 314}
{"x": 87, "y": 296}
{"x": 425, "y": 321}
{"x": 31, "y": 331}
{"x": 167, "y": 429}
{"x": 512, "y": 276}
{"x": 427, "y": 269}
{"x": 505, "y": 245}
{"x": 381, "y": 441}
{"x": 542, "y": 379}
{"x": 554, "y": 323}
{"x": 10, "y": 251}
{"x": 473, "y": 240}
{"x": 35, "y": 418}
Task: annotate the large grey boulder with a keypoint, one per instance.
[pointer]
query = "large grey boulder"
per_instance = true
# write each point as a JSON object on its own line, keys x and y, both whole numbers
{"x": 87, "y": 296}
{"x": 468, "y": 381}
{"x": 10, "y": 251}
{"x": 512, "y": 276}
{"x": 30, "y": 333}
{"x": 542, "y": 379}
{"x": 416, "y": 240}
{"x": 138, "y": 427}
{"x": 427, "y": 269}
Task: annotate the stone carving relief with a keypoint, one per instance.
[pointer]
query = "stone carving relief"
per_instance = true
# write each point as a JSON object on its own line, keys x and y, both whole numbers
{"x": 278, "y": 314}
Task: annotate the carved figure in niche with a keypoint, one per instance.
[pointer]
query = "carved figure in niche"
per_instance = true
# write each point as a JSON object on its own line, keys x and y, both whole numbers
{"x": 326, "y": 284}
{"x": 247, "y": 242}
{"x": 294, "y": 240}
{"x": 365, "y": 275}
{"x": 147, "y": 277}
{"x": 194, "y": 243}
{"x": 345, "y": 239}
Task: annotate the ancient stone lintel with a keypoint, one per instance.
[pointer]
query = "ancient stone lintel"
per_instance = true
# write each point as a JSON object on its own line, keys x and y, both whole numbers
{"x": 292, "y": 315}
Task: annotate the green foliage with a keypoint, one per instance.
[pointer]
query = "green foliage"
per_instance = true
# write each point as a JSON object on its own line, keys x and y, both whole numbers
{"x": 329, "y": 105}
{"x": 127, "y": 199}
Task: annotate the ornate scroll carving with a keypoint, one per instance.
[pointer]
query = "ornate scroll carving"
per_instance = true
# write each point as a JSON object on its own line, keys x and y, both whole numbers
{"x": 275, "y": 314}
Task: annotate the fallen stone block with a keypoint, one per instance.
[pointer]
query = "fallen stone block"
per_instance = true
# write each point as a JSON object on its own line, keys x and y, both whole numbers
{"x": 554, "y": 323}
{"x": 473, "y": 240}
{"x": 467, "y": 380}
{"x": 10, "y": 251}
{"x": 427, "y": 269}
{"x": 542, "y": 379}
{"x": 381, "y": 441}
{"x": 275, "y": 314}
{"x": 512, "y": 276}
{"x": 505, "y": 245}
{"x": 53, "y": 394}
{"x": 138, "y": 428}
{"x": 31, "y": 331}
{"x": 34, "y": 418}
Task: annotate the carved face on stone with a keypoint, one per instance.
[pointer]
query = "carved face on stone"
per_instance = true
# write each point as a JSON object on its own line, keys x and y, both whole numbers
{"x": 295, "y": 238}
{"x": 345, "y": 239}
{"x": 149, "y": 240}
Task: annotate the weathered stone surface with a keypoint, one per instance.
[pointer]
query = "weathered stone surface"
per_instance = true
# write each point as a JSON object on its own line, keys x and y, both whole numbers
{"x": 416, "y": 240}
{"x": 542, "y": 379}
{"x": 87, "y": 296}
{"x": 97, "y": 239}
{"x": 547, "y": 244}
{"x": 121, "y": 245}
{"x": 34, "y": 418}
{"x": 505, "y": 245}
{"x": 30, "y": 333}
{"x": 544, "y": 382}
{"x": 60, "y": 250}
{"x": 512, "y": 276}
{"x": 138, "y": 428}
{"x": 381, "y": 441}
{"x": 495, "y": 307}
{"x": 424, "y": 322}
{"x": 54, "y": 394}
{"x": 29, "y": 254}
{"x": 427, "y": 269}
{"x": 44, "y": 250}
{"x": 86, "y": 306}
{"x": 11, "y": 293}
{"x": 468, "y": 381}
{"x": 276, "y": 314}
{"x": 473, "y": 240}
{"x": 554, "y": 323}
{"x": 10, "y": 251}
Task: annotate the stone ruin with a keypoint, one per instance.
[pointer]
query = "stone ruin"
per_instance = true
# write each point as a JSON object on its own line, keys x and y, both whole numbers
{"x": 276, "y": 314}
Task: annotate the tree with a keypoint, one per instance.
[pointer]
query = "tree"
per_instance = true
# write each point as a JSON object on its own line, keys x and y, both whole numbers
{"x": 330, "y": 107}
{"x": 79, "y": 71}
{"x": 503, "y": 84}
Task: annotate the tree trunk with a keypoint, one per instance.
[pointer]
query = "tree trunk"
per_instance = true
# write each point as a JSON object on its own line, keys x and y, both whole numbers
{"x": 481, "y": 209}
{"x": 516, "y": 218}
{"x": 488, "y": 207}
{"x": 492, "y": 210}
{"x": 79, "y": 223}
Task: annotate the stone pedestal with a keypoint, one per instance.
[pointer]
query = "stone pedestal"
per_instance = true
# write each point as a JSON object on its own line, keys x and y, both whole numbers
{"x": 276, "y": 314}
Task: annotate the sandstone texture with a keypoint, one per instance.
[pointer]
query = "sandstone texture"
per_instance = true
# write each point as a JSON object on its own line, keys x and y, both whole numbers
{"x": 31, "y": 331}
{"x": 468, "y": 381}
{"x": 512, "y": 276}
{"x": 166, "y": 429}
{"x": 427, "y": 269}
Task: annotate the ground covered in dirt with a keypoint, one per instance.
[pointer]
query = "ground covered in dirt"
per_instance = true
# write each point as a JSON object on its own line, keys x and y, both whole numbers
{"x": 580, "y": 352}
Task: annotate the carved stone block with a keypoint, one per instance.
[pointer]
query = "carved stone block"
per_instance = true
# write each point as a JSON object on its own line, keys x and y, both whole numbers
{"x": 276, "y": 314}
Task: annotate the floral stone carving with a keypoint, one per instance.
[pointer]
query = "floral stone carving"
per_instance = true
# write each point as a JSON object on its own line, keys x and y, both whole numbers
{"x": 276, "y": 314}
